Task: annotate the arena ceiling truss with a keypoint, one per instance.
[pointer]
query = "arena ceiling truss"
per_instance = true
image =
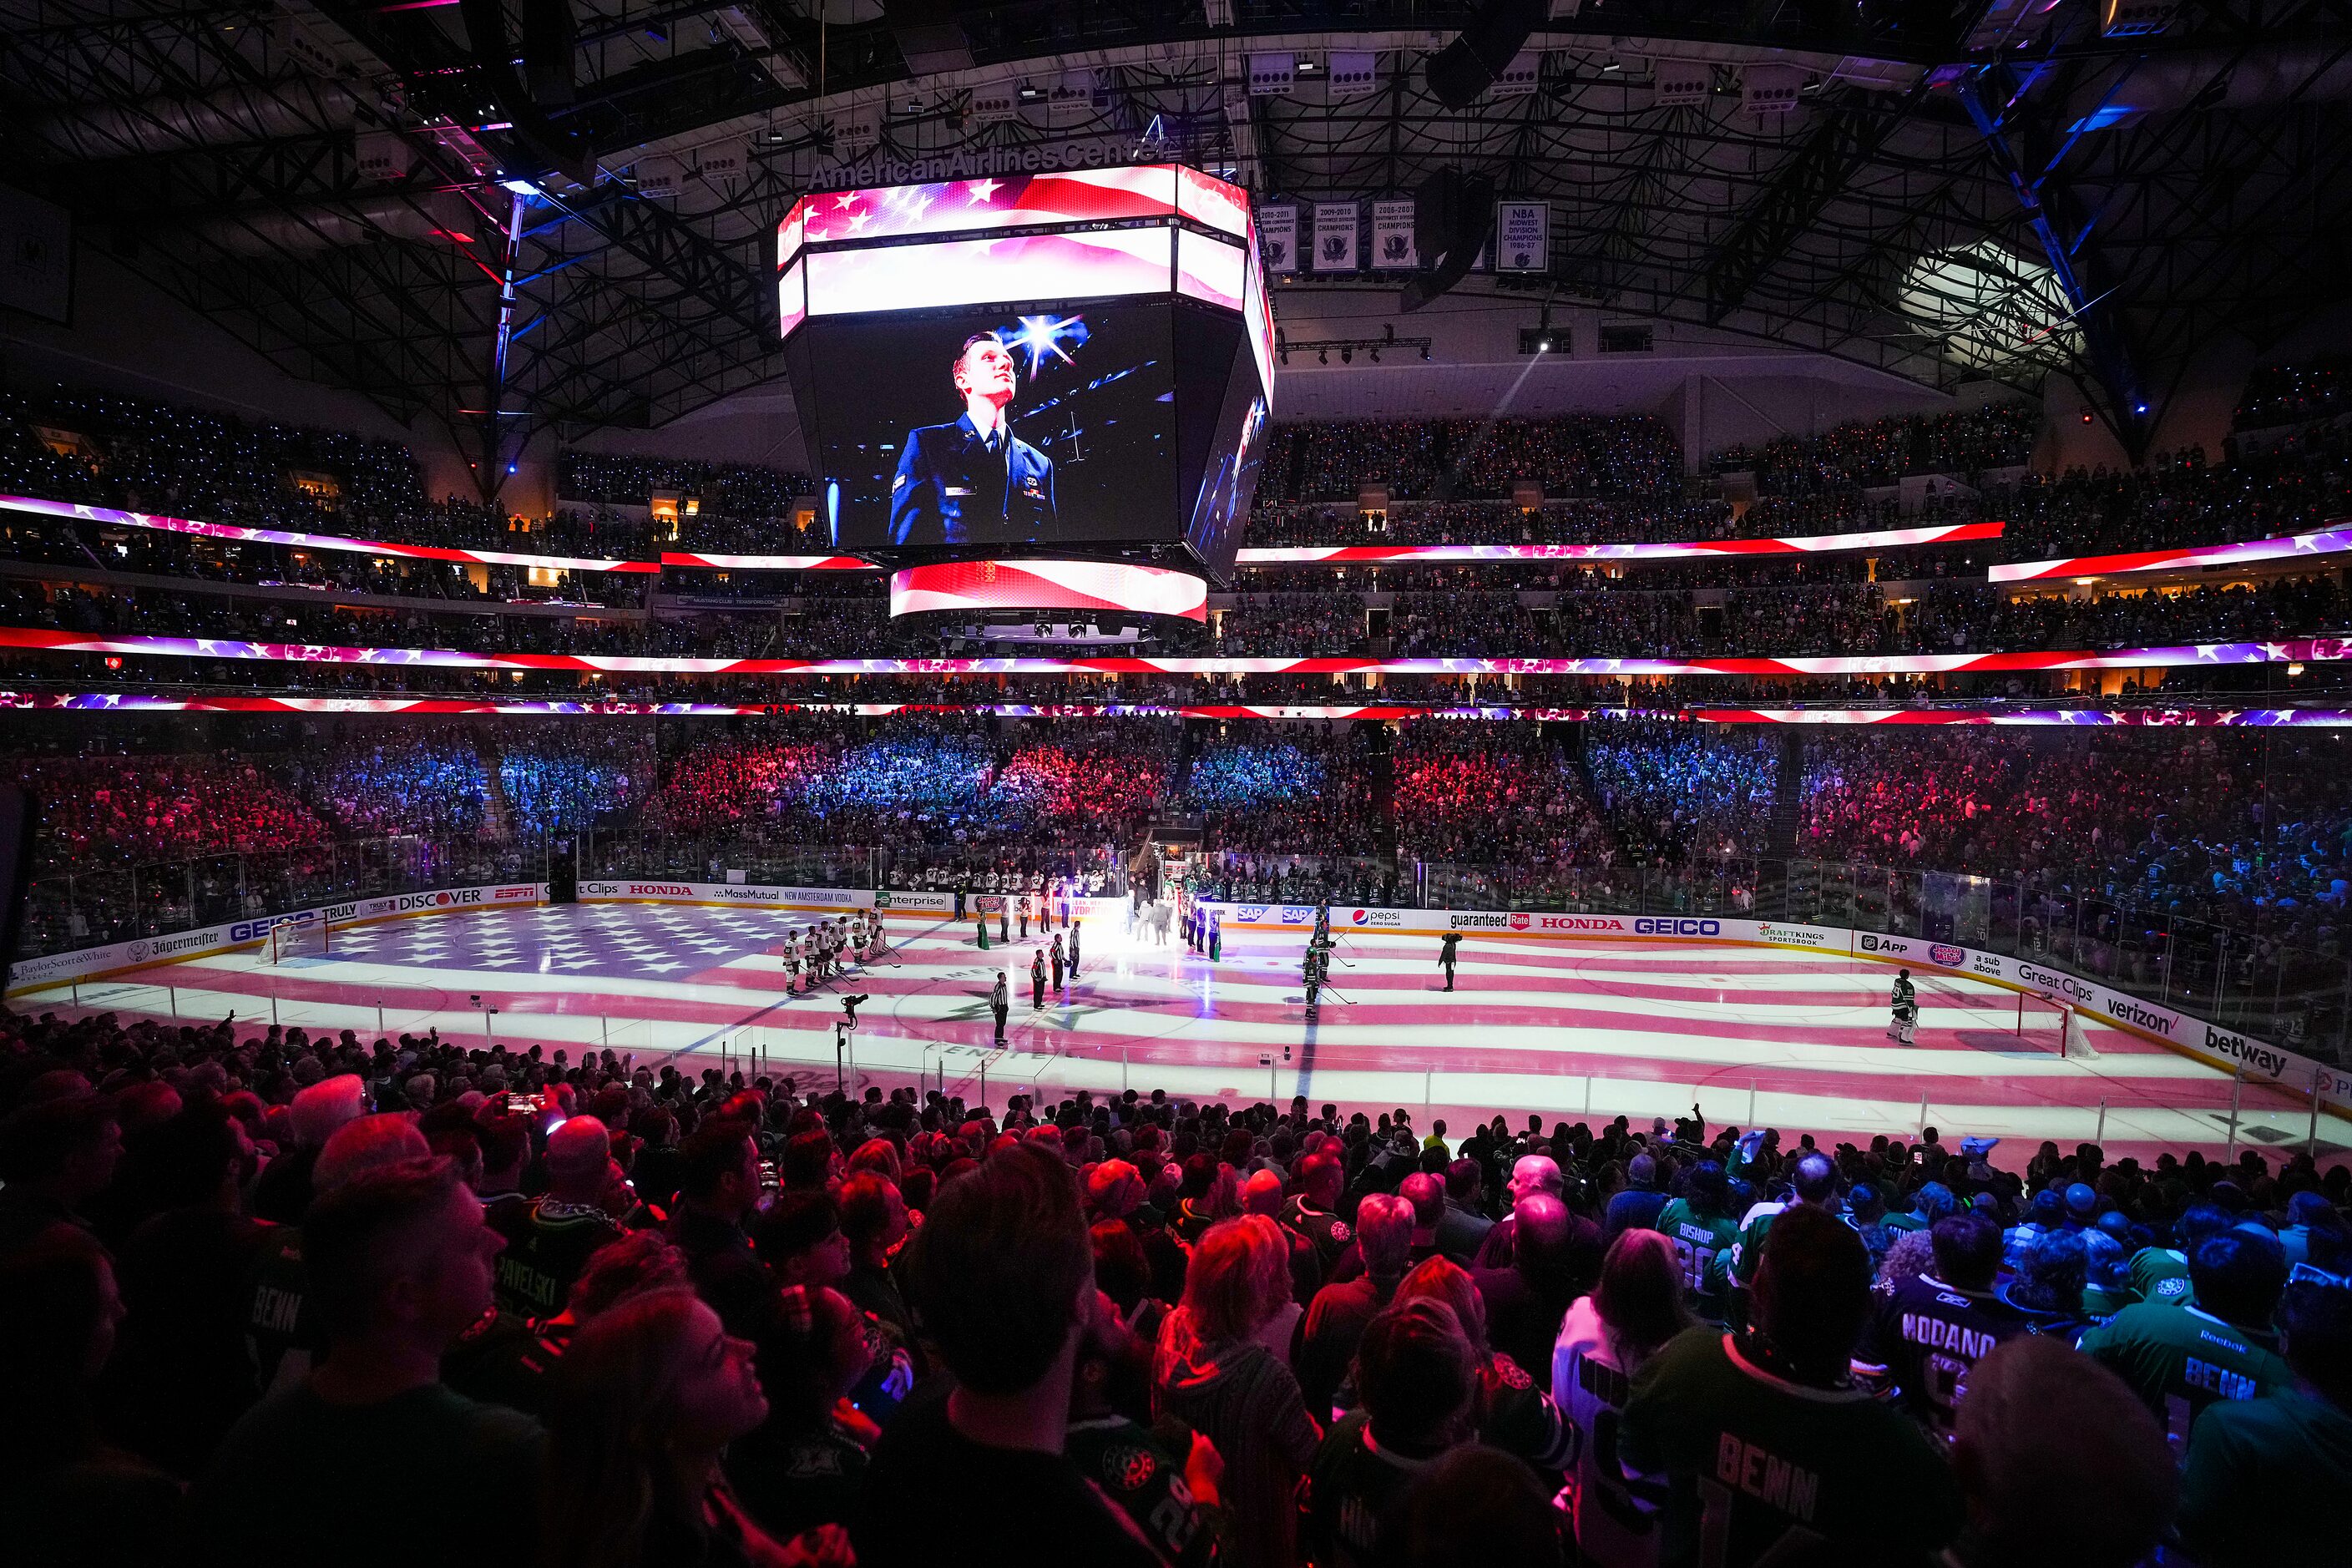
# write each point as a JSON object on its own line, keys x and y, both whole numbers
{"x": 1984, "y": 188}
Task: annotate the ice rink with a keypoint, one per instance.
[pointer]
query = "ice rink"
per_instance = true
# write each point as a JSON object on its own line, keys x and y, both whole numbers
{"x": 1573, "y": 1030}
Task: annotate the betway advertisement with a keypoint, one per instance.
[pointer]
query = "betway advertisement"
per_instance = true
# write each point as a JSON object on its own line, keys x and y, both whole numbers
{"x": 2191, "y": 1036}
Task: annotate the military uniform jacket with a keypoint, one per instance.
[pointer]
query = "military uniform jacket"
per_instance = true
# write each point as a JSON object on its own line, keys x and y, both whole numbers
{"x": 951, "y": 490}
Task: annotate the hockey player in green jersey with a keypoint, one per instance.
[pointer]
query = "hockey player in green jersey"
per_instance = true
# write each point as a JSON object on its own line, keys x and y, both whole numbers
{"x": 1906, "y": 1004}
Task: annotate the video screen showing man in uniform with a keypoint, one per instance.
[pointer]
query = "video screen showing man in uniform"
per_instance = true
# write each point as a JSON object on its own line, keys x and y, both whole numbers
{"x": 994, "y": 430}
{"x": 973, "y": 478}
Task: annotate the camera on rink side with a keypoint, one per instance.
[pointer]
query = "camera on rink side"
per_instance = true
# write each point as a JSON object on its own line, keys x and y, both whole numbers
{"x": 849, "y": 1007}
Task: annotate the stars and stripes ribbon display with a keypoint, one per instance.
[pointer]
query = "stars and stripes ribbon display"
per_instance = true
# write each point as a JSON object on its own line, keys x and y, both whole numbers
{"x": 2186, "y": 717}
{"x": 2333, "y": 540}
{"x": 2314, "y": 650}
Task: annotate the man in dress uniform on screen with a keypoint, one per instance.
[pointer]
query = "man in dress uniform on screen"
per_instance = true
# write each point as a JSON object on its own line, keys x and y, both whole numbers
{"x": 973, "y": 481}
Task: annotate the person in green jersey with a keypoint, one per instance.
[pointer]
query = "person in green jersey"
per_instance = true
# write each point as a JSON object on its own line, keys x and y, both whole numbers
{"x": 1931, "y": 1203}
{"x": 1813, "y": 1184}
{"x": 2179, "y": 1360}
{"x": 1703, "y": 1232}
{"x": 2160, "y": 1274}
{"x": 1904, "y": 1003}
{"x": 2263, "y": 1473}
{"x": 1757, "y": 1449}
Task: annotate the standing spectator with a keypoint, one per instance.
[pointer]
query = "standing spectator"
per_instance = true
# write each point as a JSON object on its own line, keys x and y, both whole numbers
{"x": 1213, "y": 1374}
{"x": 1764, "y": 1437}
{"x": 553, "y": 1239}
{"x": 2181, "y": 1358}
{"x": 1509, "y": 1412}
{"x": 648, "y": 1397}
{"x": 2257, "y": 1468}
{"x": 2044, "y": 1422}
{"x": 1703, "y": 1232}
{"x": 1531, "y": 1174}
{"x": 801, "y": 1468}
{"x": 717, "y": 1185}
{"x": 1608, "y": 1338}
{"x": 1001, "y": 1278}
{"x": 56, "y": 1155}
{"x": 1635, "y": 1206}
{"x": 1935, "y": 1327}
{"x": 319, "y": 1110}
{"x": 1557, "y": 1259}
{"x": 874, "y": 1222}
{"x": 1416, "y": 1375}
{"x": 1335, "y": 1320}
{"x": 70, "y": 1501}
{"x": 399, "y": 1265}
{"x": 1462, "y": 1228}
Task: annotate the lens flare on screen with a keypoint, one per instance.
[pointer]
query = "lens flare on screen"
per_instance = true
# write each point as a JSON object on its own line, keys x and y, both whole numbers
{"x": 1041, "y": 335}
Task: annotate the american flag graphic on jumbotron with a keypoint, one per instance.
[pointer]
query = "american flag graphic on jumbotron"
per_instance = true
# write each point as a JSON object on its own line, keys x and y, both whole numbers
{"x": 1012, "y": 201}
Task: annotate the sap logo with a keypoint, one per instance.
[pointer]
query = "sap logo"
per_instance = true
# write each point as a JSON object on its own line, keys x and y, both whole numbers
{"x": 661, "y": 889}
{"x": 2238, "y": 1048}
{"x": 1882, "y": 944}
{"x": 1250, "y": 914}
{"x": 1949, "y": 957}
{"x": 1519, "y": 920}
{"x": 1296, "y": 914}
{"x": 1677, "y": 928}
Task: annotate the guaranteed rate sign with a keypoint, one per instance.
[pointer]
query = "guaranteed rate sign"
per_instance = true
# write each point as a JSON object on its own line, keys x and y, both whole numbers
{"x": 1072, "y": 363}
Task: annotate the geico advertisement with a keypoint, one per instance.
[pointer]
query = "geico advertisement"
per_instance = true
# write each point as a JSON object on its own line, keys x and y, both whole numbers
{"x": 761, "y": 895}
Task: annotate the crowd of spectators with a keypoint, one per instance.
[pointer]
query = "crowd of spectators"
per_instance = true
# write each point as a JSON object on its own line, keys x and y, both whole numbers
{"x": 1470, "y": 460}
{"x": 98, "y": 811}
{"x": 2301, "y": 393}
{"x": 403, "y": 778}
{"x": 750, "y": 491}
{"x": 1676, "y": 792}
{"x": 580, "y": 777}
{"x": 1873, "y": 452}
{"x": 1503, "y": 794}
{"x": 615, "y": 1312}
{"x": 1307, "y": 792}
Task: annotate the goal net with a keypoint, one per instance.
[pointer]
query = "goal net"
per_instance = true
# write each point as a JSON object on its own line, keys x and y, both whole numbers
{"x": 303, "y": 939}
{"x": 2048, "y": 1022}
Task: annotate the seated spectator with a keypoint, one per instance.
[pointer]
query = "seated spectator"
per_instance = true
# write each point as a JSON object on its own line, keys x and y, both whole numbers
{"x": 1212, "y": 1373}
{"x": 399, "y": 1264}
{"x": 1416, "y": 1373}
{"x": 649, "y": 1395}
{"x": 70, "y": 1501}
{"x": 2042, "y": 1421}
{"x": 1763, "y": 1434}
{"x": 1001, "y": 1277}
